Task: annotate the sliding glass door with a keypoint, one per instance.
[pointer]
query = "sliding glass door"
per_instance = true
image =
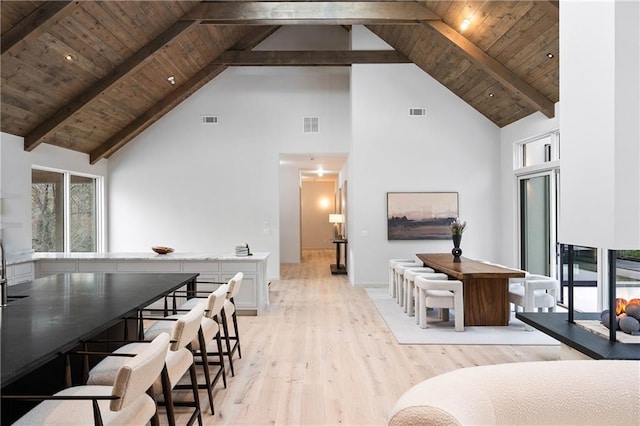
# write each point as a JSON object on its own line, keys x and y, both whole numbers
{"x": 537, "y": 216}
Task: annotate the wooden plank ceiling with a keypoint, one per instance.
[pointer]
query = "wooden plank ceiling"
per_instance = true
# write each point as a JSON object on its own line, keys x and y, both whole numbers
{"x": 91, "y": 75}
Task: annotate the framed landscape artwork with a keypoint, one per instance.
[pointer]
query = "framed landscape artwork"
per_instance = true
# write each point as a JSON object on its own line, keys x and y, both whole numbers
{"x": 420, "y": 215}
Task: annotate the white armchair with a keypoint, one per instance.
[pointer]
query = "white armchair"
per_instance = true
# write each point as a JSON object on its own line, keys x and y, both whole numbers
{"x": 443, "y": 294}
{"x": 535, "y": 293}
{"x": 392, "y": 273}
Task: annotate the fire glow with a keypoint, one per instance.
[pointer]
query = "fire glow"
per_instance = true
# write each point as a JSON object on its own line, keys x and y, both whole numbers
{"x": 627, "y": 316}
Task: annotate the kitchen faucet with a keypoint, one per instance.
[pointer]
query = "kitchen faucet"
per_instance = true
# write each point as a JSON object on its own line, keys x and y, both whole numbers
{"x": 3, "y": 277}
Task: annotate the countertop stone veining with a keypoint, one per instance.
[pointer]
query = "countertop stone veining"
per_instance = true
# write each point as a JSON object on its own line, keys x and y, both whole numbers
{"x": 115, "y": 256}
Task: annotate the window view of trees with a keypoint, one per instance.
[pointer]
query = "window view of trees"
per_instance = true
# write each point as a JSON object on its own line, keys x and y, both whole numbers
{"x": 82, "y": 214}
{"x": 48, "y": 212}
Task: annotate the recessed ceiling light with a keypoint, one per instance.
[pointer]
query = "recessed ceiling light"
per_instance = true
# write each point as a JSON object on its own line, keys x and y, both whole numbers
{"x": 550, "y": 55}
{"x": 491, "y": 95}
{"x": 465, "y": 24}
{"x": 171, "y": 79}
{"x": 68, "y": 58}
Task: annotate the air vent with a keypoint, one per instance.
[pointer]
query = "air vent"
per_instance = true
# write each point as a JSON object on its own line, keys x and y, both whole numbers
{"x": 210, "y": 119}
{"x": 311, "y": 124}
{"x": 417, "y": 112}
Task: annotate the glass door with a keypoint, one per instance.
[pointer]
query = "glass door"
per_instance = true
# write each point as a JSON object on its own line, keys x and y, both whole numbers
{"x": 537, "y": 222}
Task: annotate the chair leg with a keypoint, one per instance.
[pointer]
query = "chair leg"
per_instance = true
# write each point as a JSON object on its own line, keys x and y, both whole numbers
{"x": 168, "y": 399}
{"x": 205, "y": 368}
{"x": 196, "y": 397}
{"x": 423, "y": 309}
{"x": 237, "y": 333}
{"x": 221, "y": 359}
{"x": 225, "y": 327}
{"x": 155, "y": 420}
{"x": 458, "y": 301}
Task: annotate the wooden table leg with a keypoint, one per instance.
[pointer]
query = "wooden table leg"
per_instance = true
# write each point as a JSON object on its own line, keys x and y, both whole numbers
{"x": 486, "y": 301}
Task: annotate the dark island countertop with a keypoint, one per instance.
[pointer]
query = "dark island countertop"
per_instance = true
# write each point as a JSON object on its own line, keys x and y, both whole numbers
{"x": 48, "y": 316}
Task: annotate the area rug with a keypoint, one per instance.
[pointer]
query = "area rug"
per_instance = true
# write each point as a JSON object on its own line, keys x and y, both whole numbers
{"x": 406, "y": 331}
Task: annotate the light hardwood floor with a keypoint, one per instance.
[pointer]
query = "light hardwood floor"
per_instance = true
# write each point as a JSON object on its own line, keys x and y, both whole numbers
{"x": 322, "y": 355}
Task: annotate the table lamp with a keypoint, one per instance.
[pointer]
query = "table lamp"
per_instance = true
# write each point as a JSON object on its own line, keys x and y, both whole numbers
{"x": 337, "y": 220}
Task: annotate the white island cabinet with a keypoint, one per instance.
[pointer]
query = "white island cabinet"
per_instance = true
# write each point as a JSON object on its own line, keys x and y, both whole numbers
{"x": 251, "y": 300}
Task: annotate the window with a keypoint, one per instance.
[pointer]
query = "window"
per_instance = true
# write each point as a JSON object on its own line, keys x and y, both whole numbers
{"x": 65, "y": 211}
{"x": 538, "y": 151}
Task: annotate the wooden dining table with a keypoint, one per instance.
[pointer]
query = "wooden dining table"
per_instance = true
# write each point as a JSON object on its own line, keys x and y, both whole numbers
{"x": 485, "y": 287}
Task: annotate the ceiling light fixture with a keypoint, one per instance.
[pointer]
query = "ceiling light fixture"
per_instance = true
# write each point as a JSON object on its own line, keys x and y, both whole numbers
{"x": 550, "y": 55}
{"x": 465, "y": 24}
{"x": 491, "y": 95}
{"x": 320, "y": 172}
{"x": 171, "y": 79}
{"x": 68, "y": 58}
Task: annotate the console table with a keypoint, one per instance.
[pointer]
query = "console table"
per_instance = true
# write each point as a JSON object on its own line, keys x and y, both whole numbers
{"x": 337, "y": 268}
{"x": 485, "y": 287}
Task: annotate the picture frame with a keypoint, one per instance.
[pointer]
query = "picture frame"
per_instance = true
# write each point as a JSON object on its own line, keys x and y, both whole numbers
{"x": 421, "y": 215}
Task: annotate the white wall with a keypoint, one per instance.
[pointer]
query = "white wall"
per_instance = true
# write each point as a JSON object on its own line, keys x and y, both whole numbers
{"x": 600, "y": 126}
{"x": 289, "y": 214}
{"x": 15, "y": 181}
{"x": 454, "y": 148}
{"x": 200, "y": 187}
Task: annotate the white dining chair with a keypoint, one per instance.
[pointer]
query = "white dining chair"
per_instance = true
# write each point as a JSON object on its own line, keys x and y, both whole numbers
{"x": 441, "y": 294}
{"x": 410, "y": 288}
{"x": 534, "y": 293}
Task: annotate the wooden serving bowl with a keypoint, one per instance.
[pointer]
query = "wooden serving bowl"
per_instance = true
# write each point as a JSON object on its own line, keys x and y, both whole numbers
{"x": 162, "y": 249}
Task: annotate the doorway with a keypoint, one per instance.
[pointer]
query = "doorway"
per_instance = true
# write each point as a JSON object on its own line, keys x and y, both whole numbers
{"x": 301, "y": 223}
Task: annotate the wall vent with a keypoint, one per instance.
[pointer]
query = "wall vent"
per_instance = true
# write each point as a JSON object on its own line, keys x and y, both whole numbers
{"x": 210, "y": 119}
{"x": 417, "y": 112}
{"x": 311, "y": 124}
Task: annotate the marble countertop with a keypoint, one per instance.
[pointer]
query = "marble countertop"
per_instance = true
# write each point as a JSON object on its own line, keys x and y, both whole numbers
{"x": 177, "y": 256}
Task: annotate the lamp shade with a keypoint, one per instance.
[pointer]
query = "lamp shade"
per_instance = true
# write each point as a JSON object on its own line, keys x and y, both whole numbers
{"x": 335, "y": 218}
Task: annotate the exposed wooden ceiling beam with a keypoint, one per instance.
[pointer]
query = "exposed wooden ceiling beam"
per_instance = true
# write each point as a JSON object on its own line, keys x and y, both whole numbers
{"x": 133, "y": 63}
{"x": 313, "y": 57}
{"x": 37, "y": 22}
{"x": 502, "y": 74}
{"x": 173, "y": 99}
{"x": 142, "y": 122}
{"x": 305, "y": 13}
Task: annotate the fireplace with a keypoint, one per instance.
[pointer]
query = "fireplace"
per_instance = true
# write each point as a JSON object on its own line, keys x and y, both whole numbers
{"x": 584, "y": 331}
{"x": 627, "y": 316}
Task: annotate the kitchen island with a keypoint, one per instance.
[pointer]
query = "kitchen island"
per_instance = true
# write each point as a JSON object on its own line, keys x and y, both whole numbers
{"x": 50, "y": 317}
{"x": 252, "y": 299}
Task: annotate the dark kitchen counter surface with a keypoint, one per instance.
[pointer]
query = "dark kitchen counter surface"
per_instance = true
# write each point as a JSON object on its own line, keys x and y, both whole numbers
{"x": 49, "y": 316}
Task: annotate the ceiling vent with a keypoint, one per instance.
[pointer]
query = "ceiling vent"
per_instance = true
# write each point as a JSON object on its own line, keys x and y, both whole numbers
{"x": 417, "y": 112}
{"x": 210, "y": 119}
{"x": 311, "y": 124}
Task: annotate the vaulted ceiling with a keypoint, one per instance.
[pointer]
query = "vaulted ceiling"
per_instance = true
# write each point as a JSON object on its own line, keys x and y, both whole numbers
{"x": 92, "y": 75}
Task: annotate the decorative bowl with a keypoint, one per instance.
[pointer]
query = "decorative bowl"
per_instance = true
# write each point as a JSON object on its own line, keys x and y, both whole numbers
{"x": 162, "y": 249}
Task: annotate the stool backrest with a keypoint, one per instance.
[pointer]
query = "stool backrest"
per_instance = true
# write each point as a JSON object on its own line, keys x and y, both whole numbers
{"x": 140, "y": 372}
{"x": 234, "y": 285}
{"x": 216, "y": 301}
{"x": 186, "y": 327}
